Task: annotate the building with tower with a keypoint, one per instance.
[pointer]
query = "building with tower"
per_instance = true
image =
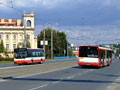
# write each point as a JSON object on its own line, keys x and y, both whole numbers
{"x": 12, "y": 33}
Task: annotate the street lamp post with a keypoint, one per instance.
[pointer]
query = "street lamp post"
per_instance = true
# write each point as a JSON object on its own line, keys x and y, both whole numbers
{"x": 67, "y": 50}
{"x": 44, "y": 43}
{"x": 24, "y": 33}
{"x": 51, "y": 44}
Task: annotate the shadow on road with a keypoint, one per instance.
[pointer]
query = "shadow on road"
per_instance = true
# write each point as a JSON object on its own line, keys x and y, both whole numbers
{"x": 107, "y": 75}
{"x": 60, "y": 80}
{"x": 86, "y": 67}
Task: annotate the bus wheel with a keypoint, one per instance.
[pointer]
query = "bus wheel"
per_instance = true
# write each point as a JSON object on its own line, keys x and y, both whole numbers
{"x": 100, "y": 65}
{"x": 109, "y": 63}
{"x": 32, "y": 61}
{"x": 41, "y": 62}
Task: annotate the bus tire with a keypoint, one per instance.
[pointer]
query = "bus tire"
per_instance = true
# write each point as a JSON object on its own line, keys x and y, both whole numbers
{"x": 109, "y": 63}
{"x": 32, "y": 61}
{"x": 41, "y": 61}
{"x": 101, "y": 65}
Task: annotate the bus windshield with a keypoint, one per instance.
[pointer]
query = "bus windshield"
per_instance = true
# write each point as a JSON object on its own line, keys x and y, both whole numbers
{"x": 88, "y": 52}
{"x": 20, "y": 53}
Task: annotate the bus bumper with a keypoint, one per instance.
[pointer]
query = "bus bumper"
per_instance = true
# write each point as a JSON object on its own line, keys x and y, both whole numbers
{"x": 88, "y": 64}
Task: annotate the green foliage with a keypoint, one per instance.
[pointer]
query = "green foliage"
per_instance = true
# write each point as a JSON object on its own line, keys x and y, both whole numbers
{"x": 59, "y": 42}
{"x": 117, "y": 50}
{"x": 20, "y": 44}
{"x": 6, "y": 59}
{"x": 2, "y": 47}
{"x": 70, "y": 53}
{"x": 27, "y": 43}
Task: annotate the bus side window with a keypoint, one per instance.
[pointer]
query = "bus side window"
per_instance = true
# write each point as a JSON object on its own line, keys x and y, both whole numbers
{"x": 33, "y": 54}
{"x": 38, "y": 54}
{"x": 29, "y": 54}
{"x": 41, "y": 54}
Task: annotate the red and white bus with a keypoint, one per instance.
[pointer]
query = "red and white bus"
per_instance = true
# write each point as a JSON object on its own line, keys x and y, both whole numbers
{"x": 28, "y": 56}
{"x": 94, "y": 56}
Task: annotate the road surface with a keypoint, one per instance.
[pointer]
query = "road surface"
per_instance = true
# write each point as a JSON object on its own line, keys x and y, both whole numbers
{"x": 61, "y": 76}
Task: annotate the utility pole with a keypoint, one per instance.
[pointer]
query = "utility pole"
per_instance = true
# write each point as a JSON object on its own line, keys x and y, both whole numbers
{"x": 24, "y": 33}
{"x": 67, "y": 50}
{"x": 44, "y": 42}
{"x": 51, "y": 44}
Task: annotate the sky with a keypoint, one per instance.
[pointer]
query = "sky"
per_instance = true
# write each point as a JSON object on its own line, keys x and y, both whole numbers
{"x": 84, "y": 21}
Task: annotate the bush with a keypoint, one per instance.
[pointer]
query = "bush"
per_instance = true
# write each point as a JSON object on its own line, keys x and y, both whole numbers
{"x": 6, "y": 59}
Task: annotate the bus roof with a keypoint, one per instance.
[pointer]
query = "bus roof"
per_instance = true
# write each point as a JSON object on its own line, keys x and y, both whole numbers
{"x": 35, "y": 48}
{"x": 105, "y": 48}
{"x": 97, "y": 47}
{"x": 31, "y": 48}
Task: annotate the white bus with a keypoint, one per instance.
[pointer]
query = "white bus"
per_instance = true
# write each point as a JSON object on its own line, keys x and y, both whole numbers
{"x": 94, "y": 56}
{"x": 28, "y": 56}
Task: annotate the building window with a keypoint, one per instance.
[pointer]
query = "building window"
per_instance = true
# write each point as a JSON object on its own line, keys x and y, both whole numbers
{"x": 14, "y": 37}
{"x": 7, "y": 37}
{"x": 7, "y": 46}
{"x": 14, "y": 46}
{"x": 28, "y": 37}
{"x": 28, "y": 23}
{"x": 21, "y": 37}
{"x": 10, "y": 24}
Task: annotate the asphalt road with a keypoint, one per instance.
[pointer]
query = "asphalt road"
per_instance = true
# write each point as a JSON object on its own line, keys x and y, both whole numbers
{"x": 71, "y": 78}
{"x": 12, "y": 64}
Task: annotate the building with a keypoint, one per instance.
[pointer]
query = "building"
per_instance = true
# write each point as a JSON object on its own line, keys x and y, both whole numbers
{"x": 75, "y": 50}
{"x": 12, "y": 33}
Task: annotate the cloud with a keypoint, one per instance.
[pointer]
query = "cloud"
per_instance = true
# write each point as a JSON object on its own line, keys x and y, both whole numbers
{"x": 4, "y": 5}
{"x": 51, "y": 4}
{"x": 81, "y": 35}
{"x": 43, "y": 3}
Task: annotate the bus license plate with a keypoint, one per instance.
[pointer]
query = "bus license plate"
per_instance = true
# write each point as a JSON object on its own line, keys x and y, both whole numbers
{"x": 88, "y": 64}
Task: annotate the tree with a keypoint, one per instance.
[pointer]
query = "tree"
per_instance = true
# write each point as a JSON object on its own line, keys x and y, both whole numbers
{"x": 21, "y": 44}
{"x": 2, "y": 49}
{"x": 28, "y": 42}
{"x": 59, "y": 42}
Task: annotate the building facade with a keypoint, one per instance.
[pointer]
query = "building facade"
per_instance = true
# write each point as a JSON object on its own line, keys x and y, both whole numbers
{"x": 12, "y": 33}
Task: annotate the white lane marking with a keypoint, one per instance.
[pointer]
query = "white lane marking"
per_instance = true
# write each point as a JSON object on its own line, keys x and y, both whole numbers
{"x": 39, "y": 87}
{"x": 87, "y": 71}
{"x": 79, "y": 74}
{"x": 44, "y": 72}
{"x": 109, "y": 87}
{"x": 118, "y": 79}
{"x": 55, "y": 82}
{"x": 92, "y": 70}
{"x": 17, "y": 67}
{"x": 112, "y": 86}
{"x": 84, "y": 72}
{"x": 113, "y": 83}
{"x": 11, "y": 67}
{"x": 39, "y": 73}
{"x": 70, "y": 77}
{"x": 1, "y": 80}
